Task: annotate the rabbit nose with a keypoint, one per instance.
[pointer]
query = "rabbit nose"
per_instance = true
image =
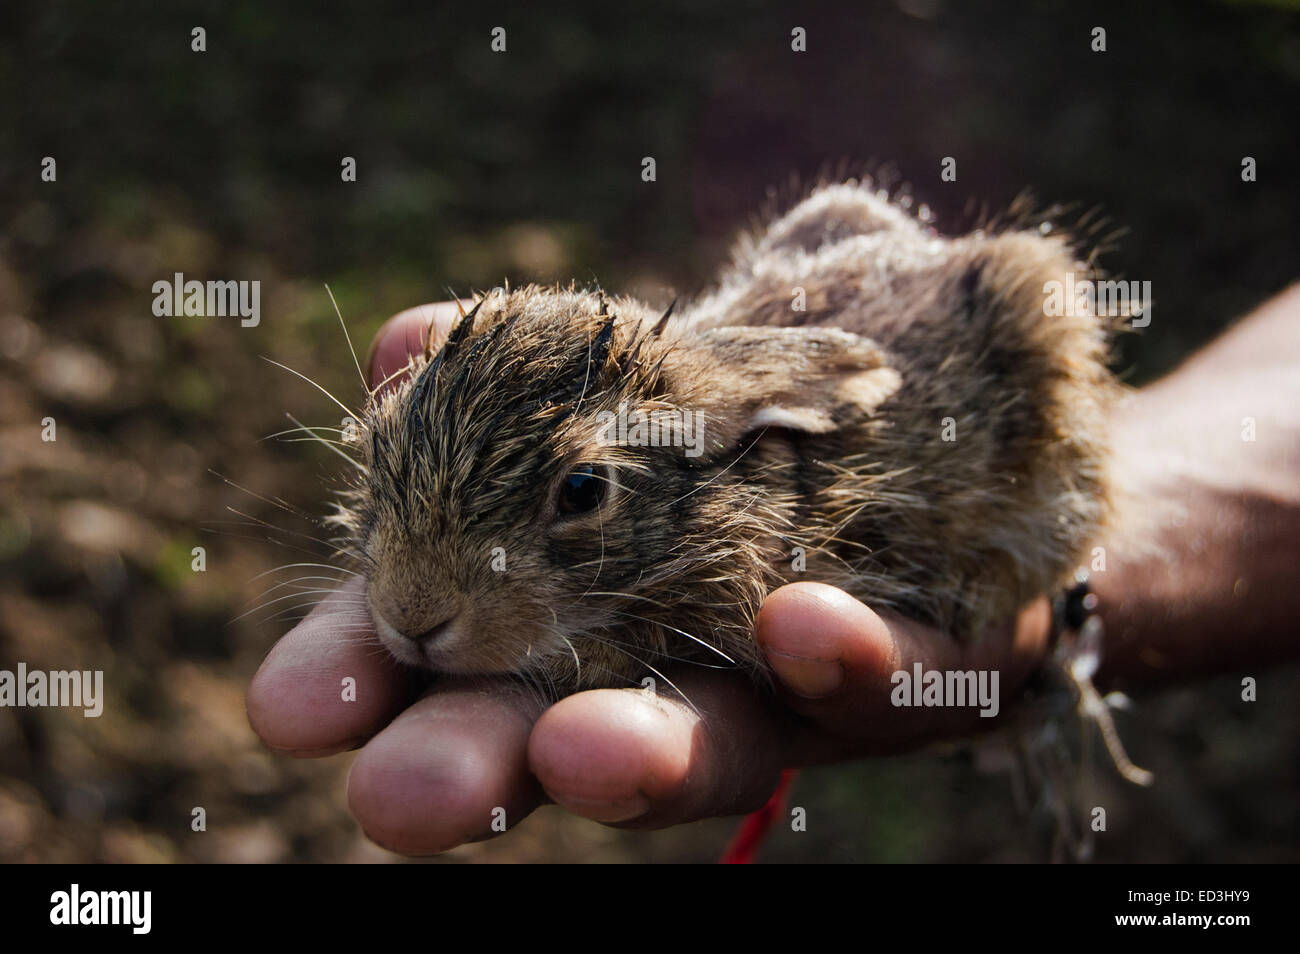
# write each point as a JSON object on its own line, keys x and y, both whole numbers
{"x": 434, "y": 633}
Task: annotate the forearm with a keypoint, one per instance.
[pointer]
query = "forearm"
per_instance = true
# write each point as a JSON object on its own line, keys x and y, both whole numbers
{"x": 1201, "y": 569}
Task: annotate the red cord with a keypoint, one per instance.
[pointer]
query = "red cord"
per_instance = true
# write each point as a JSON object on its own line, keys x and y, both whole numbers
{"x": 749, "y": 837}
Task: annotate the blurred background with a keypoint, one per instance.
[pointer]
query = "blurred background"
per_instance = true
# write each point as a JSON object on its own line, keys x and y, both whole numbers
{"x": 473, "y": 167}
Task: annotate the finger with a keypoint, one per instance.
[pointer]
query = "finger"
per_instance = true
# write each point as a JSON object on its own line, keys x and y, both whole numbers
{"x": 836, "y": 661}
{"x": 406, "y": 334}
{"x": 445, "y": 770}
{"x": 629, "y": 757}
{"x": 300, "y": 701}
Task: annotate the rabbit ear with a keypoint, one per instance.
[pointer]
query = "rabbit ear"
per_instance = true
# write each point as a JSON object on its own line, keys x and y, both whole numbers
{"x": 813, "y": 380}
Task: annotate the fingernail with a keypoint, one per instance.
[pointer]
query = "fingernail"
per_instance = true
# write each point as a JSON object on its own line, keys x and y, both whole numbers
{"x": 604, "y": 810}
{"x": 810, "y": 678}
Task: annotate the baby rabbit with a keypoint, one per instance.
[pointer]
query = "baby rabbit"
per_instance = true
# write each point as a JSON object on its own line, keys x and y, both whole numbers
{"x": 579, "y": 490}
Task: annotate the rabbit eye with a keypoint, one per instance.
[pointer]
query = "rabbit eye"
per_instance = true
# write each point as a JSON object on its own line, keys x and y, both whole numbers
{"x": 582, "y": 491}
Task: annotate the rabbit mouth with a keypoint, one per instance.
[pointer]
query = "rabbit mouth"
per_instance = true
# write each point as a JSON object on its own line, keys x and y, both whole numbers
{"x": 402, "y": 648}
{"x": 441, "y": 648}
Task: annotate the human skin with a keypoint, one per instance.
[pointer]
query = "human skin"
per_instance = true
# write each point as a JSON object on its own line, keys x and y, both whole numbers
{"x": 1216, "y": 593}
